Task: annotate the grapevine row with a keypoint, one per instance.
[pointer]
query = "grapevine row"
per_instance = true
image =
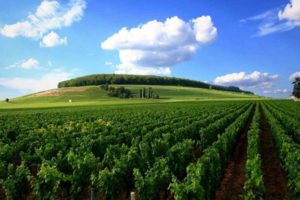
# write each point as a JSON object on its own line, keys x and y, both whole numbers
{"x": 288, "y": 151}
{"x": 254, "y": 185}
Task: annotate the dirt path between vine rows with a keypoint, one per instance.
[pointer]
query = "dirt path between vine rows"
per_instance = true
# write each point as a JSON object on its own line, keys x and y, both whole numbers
{"x": 234, "y": 177}
{"x": 275, "y": 180}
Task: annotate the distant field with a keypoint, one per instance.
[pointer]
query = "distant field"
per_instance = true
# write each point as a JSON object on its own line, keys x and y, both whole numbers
{"x": 93, "y": 95}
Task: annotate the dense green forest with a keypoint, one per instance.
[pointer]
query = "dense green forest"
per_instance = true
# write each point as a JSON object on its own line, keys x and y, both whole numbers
{"x": 99, "y": 79}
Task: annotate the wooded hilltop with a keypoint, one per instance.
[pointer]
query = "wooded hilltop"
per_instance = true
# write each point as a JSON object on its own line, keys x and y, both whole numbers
{"x": 99, "y": 79}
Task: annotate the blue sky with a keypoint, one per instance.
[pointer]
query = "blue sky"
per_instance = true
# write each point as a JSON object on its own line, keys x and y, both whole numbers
{"x": 251, "y": 44}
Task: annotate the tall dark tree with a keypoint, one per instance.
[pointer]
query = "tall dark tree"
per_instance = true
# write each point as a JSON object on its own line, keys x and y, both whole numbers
{"x": 141, "y": 93}
{"x": 144, "y": 92}
{"x": 149, "y": 92}
{"x": 296, "y": 90}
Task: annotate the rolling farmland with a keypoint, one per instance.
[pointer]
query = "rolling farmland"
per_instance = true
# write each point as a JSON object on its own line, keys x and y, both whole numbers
{"x": 94, "y": 96}
{"x": 149, "y": 100}
{"x": 179, "y": 150}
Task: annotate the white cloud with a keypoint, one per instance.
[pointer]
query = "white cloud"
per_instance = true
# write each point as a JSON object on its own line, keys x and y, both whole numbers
{"x": 109, "y": 63}
{"x": 52, "y": 39}
{"x": 12, "y": 66}
{"x": 31, "y": 63}
{"x": 267, "y": 15}
{"x": 127, "y": 69}
{"x": 48, "y": 81}
{"x": 204, "y": 29}
{"x": 269, "y": 28}
{"x": 294, "y": 75}
{"x": 48, "y": 16}
{"x": 276, "y": 91}
{"x": 28, "y": 64}
{"x": 154, "y": 47}
{"x": 291, "y": 12}
{"x": 277, "y": 20}
{"x": 47, "y": 8}
{"x": 255, "y": 79}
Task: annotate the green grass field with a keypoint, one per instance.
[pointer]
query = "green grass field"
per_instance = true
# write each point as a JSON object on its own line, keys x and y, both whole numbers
{"x": 93, "y": 95}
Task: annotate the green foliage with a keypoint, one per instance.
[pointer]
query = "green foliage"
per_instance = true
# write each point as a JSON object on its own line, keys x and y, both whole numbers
{"x": 254, "y": 185}
{"x": 120, "y": 92}
{"x": 120, "y": 162}
{"x": 179, "y": 156}
{"x": 296, "y": 89}
{"x": 210, "y": 133}
{"x": 107, "y": 181}
{"x": 47, "y": 183}
{"x": 17, "y": 182}
{"x": 122, "y": 148}
{"x": 289, "y": 152}
{"x": 105, "y": 86}
{"x": 289, "y": 123}
{"x": 83, "y": 166}
{"x": 204, "y": 176}
{"x": 150, "y": 94}
{"x": 155, "y": 180}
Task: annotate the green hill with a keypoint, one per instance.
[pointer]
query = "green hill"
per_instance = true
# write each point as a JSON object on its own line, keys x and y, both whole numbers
{"x": 94, "y": 95}
{"x": 130, "y": 79}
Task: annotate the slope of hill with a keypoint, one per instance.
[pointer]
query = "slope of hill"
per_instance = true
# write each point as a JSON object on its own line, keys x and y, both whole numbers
{"x": 94, "y": 95}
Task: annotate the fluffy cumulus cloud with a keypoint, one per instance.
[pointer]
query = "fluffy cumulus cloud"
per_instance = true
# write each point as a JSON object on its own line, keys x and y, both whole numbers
{"x": 291, "y": 12}
{"x": 49, "y": 15}
{"x": 154, "y": 47}
{"x": 47, "y": 8}
{"x": 30, "y": 63}
{"x": 47, "y": 81}
{"x": 278, "y": 20}
{"x": 255, "y": 79}
{"x": 52, "y": 39}
{"x": 294, "y": 75}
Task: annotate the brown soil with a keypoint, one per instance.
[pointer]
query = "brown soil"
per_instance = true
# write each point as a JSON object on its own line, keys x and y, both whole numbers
{"x": 234, "y": 177}
{"x": 58, "y": 92}
{"x": 2, "y": 193}
{"x": 273, "y": 175}
{"x": 197, "y": 151}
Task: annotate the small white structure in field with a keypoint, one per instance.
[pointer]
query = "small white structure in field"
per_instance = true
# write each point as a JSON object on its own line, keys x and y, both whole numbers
{"x": 132, "y": 196}
{"x": 70, "y": 100}
{"x": 295, "y": 98}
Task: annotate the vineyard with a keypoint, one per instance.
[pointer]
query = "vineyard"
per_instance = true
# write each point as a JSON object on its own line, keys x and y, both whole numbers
{"x": 184, "y": 150}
